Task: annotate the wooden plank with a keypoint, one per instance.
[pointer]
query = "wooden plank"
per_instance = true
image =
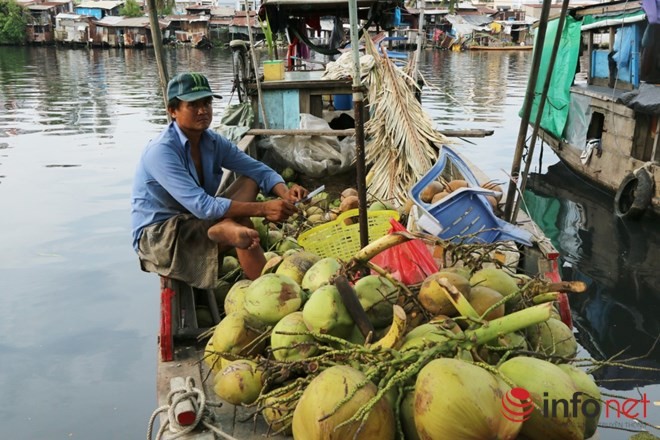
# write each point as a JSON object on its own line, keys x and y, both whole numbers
{"x": 475, "y": 132}
{"x": 300, "y": 132}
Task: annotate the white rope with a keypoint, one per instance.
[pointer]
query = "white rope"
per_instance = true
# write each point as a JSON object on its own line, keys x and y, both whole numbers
{"x": 198, "y": 400}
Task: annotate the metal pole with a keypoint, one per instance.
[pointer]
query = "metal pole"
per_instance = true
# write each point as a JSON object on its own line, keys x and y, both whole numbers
{"x": 527, "y": 109}
{"x": 420, "y": 37}
{"x": 358, "y": 113}
{"x": 255, "y": 66}
{"x": 541, "y": 107}
{"x": 158, "y": 49}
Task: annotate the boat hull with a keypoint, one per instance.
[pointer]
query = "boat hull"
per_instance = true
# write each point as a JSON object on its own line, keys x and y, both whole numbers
{"x": 609, "y": 165}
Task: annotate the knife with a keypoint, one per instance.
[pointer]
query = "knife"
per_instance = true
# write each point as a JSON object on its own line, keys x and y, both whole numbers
{"x": 310, "y": 195}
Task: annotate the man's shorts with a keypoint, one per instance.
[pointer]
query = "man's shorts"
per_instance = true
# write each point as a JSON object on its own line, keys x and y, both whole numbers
{"x": 180, "y": 248}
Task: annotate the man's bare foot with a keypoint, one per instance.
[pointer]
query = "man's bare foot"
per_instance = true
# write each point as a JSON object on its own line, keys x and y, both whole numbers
{"x": 229, "y": 233}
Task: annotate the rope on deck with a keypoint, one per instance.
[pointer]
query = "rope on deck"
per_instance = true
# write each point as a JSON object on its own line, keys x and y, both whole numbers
{"x": 198, "y": 400}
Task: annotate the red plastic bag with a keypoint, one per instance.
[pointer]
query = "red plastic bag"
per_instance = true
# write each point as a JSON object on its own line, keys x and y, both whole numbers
{"x": 410, "y": 262}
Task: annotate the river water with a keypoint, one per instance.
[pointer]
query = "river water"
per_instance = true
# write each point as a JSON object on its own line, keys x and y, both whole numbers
{"x": 78, "y": 320}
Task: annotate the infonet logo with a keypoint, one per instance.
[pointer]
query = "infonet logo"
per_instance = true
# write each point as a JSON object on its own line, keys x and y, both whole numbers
{"x": 517, "y": 406}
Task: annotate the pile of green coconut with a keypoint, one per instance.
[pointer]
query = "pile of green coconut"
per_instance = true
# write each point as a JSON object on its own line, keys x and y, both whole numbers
{"x": 446, "y": 360}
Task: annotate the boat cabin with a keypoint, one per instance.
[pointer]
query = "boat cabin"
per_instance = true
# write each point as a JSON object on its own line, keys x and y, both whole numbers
{"x": 602, "y": 111}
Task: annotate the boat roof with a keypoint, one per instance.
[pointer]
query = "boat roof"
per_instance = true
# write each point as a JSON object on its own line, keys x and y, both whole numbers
{"x": 320, "y": 7}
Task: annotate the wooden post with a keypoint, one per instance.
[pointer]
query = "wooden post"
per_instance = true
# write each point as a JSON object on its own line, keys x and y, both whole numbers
{"x": 158, "y": 49}
{"x": 541, "y": 107}
{"x": 527, "y": 109}
{"x": 358, "y": 113}
{"x": 255, "y": 66}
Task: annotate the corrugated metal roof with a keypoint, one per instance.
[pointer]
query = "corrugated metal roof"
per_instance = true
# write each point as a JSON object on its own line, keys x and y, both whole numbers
{"x": 478, "y": 20}
{"x": 222, "y": 12}
{"x": 102, "y": 4}
{"x": 40, "y": 7}
{"x": 65, "y": 16}
{"x": 109, "y": 21}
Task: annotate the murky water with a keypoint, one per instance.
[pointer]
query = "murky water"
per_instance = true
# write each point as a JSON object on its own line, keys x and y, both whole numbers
{"x": 78, "y": 319}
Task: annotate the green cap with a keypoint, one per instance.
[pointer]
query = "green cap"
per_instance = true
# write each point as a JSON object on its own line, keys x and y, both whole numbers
{"x": 189, "y": 87}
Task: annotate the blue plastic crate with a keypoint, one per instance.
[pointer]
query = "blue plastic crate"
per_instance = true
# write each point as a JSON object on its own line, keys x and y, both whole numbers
{"x": 465, "y": 214}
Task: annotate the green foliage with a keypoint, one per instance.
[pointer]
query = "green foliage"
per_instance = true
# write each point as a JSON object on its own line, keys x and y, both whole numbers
{"x": 268, "y": 33}
{"x": 131, "y": 9}
{"x": 13, "y": 22}
{"x": 165, "y": 7}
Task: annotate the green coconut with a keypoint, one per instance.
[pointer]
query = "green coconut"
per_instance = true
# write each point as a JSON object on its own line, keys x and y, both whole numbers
{"x": 229, "y": 264}
{"x": 235, "y": 298}
{"x": 278, "y": 409}
{"x": 296, "y": 265}
{"x": 312, "y": 419}
{"x": 496, "y": 279}
{"x": 325, "y": 312}
{"x": 482, "y": 298}
{"x": 433, "y": 297}
{"x": 233, "y": 334}
{"x": 220, "y": 292}
{"x": 407, "y": 416}
{"x": 552, "y": 338}
{"x": 271, "y": 297}
{"x": 463, "y": 271}
{"x": 240, "y": 382}
{"x": 262, "y": 228}
{"x": 423, "y": 335}
{"x": 288, "y": 174}
{"x": 287, "y": 346}
{"x": 320, "y": 273}
{"x": 212, "y": 359}
{"x": 274, "y": 237}
{"x": 548, "y": 383}
{"x": 270, "y": 254}
{"x": 509, "y": 341}
{"x": 287, "y": 244}
{"x": 586, "y": 385}
{"x": 455, "y": 399}
{"x": 377, "y": 295}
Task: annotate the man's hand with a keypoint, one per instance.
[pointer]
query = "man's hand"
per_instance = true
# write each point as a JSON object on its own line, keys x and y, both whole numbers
{"x": 293, "y": 194}
{"x": 278, "y": 210}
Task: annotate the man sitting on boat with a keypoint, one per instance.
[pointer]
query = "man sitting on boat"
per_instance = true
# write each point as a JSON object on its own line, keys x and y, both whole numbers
{"x": 181, "y": 226}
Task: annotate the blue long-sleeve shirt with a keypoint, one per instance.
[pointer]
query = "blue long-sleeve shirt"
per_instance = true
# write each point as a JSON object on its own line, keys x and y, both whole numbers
{"x": 166, "y": 181}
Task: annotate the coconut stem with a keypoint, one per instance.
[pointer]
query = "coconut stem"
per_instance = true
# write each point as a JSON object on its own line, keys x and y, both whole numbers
{"x": 372, "y": 249}
{"x": 510, "y": 323}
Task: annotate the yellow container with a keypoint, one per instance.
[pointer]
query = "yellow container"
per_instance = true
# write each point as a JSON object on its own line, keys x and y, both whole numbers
{"x": 273, "y": 70}
{"x": 340, "y": 240}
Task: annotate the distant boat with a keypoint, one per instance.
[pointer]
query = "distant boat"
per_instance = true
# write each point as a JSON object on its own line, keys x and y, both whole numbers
{"x": 604, "y": 121}
{"x": 509, "y": 47}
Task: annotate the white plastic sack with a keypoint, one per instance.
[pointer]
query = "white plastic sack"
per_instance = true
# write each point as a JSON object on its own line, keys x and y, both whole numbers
{"x": 314, "y": 156}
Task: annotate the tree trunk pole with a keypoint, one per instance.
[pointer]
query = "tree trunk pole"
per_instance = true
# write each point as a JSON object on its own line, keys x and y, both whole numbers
{"x": 541, "y": 107}
{"x": 527, "y": 110}
{"x": 158, "y": 49}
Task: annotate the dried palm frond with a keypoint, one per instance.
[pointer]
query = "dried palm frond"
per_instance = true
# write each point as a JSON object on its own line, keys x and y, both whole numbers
{"x": 400, "y": 134}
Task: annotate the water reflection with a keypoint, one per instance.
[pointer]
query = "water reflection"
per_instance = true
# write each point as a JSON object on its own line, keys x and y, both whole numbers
{"x": 618, "y": 316}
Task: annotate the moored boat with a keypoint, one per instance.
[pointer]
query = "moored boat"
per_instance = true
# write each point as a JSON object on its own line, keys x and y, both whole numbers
{"x": 604, "y": 120}
{"x": 455, "y": 228}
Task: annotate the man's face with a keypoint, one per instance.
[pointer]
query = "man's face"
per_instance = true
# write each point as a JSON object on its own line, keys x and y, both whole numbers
{"x": 195, "y": 116}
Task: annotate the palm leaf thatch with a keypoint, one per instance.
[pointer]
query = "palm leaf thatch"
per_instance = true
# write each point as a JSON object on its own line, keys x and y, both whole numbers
{"x": 400, "y": 134}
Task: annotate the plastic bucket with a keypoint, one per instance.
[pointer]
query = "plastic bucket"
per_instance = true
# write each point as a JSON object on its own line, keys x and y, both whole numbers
{"x": 273, "y": 70}
{"x": 343, "y": 102}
